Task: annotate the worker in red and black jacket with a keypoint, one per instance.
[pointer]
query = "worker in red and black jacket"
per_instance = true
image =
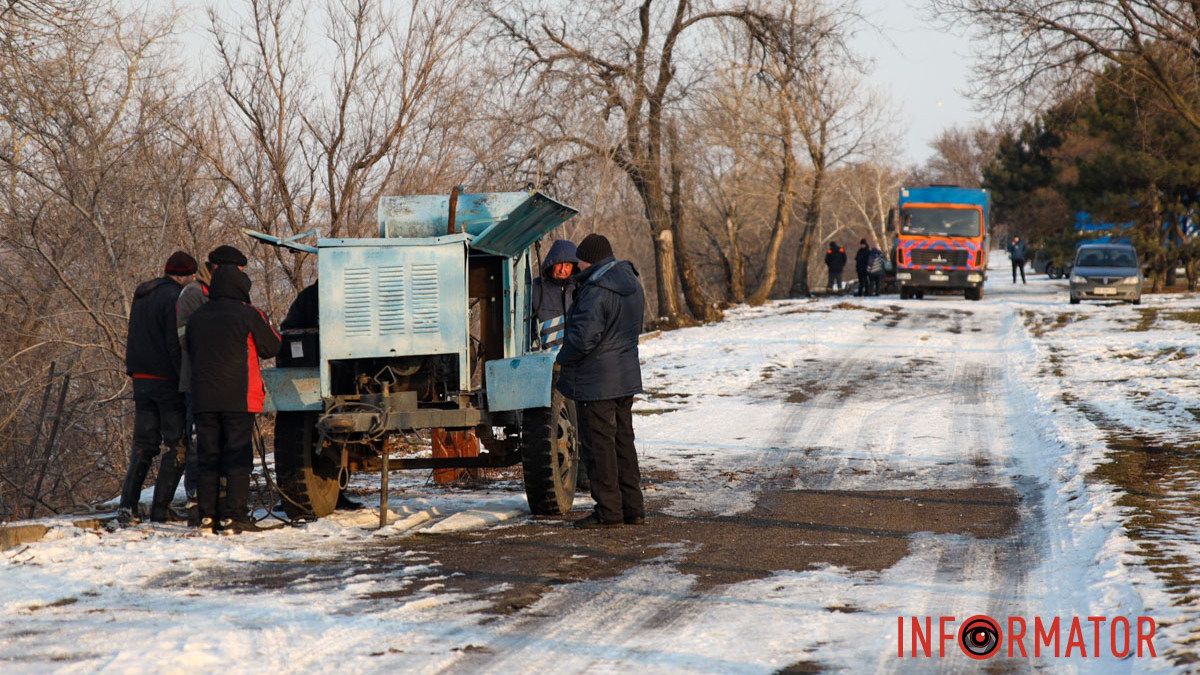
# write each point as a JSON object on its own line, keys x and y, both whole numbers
{"x": 225, "y": 340}
{"x": 152, "y": 357}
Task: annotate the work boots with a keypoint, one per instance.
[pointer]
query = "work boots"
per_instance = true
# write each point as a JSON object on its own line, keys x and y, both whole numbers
{"x": 170, "y": 470}
{"x": 135, "y": 477}
{"x": 232, "y": 526}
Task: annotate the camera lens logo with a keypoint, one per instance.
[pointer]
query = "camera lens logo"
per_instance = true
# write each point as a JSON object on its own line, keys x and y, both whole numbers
{"x": 979, "y": 637}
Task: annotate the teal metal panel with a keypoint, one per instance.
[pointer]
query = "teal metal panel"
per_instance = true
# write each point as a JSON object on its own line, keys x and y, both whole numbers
{"x": 533, "y": 219}
{"x": 503, "y": 223}
{"x": 292, "y": 389}
{"x": 392, "y": 298}
{"x": 520, "y": 383}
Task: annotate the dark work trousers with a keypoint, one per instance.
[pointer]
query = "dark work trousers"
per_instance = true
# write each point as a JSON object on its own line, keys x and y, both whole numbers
{"x": 224, "y": 449}
{"x": 158, "y": 420}
{"x": 835, "y": 279}
{"x": 606, "y": 431}
{"x": 873, "y": 282}
{"x": 863, "y": 281}
{"x": 191, "y": 471}
{"x": 1018, "y": 265}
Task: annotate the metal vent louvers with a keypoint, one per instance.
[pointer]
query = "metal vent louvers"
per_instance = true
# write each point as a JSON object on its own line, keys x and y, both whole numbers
{"x": 359, "y": 317}
{"x": 425, "y": 309}
{"x": 392, "y": 300}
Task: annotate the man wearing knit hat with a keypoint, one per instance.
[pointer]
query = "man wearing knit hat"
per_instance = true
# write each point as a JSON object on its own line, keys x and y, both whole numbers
{"x": 601, "y": 372}
{"x": 190, "y": 299}
{"x": 152, "y": 360}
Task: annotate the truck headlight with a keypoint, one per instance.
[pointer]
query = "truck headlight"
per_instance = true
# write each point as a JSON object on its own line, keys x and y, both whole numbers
{"x": 1129, "y": 280}
{"x": 973, "y": 278}
{"x": 903, "y": 276}
{"x": 1076, "y": 279}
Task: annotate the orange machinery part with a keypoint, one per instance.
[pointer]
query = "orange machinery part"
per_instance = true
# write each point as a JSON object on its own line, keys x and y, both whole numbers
{"x": 453, "y": 444}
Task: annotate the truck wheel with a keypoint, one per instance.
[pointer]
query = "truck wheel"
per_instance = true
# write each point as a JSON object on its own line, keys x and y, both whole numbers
{"x": 1074, "y": 301}
{"x": 308, "y": 479}
{"x": 974, "y": 293}
{"x": 550, "y": 456}
{"x": 905, "y": 293}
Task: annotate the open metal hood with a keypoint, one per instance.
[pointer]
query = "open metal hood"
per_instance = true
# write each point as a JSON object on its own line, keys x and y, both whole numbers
{"x": 502, "y": 223}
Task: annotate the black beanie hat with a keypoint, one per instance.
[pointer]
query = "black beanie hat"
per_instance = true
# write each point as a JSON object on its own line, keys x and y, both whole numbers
{"x": 594, "y": 248}
{"x": 227, "y": 255}
{"x": 180, "y": 264}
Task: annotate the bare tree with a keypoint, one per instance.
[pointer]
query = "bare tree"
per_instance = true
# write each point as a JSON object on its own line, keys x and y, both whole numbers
{"x": 615, "y": 73}
{"x": 834, "y": 117}
{"x": 94, "y": 194}
{"x": 866, "y": 192}
{"x": 960, "y": 155}
{"x": 1035, "y": 48}
{"x": 313, "y": 143}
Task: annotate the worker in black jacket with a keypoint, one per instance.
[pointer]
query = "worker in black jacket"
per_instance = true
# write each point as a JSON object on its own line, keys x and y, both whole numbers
{"x": 601, "y": 372}
{"x": 302, "y": 350}
{"x": 152, "y": 360}
{"x": 226, "y": 338}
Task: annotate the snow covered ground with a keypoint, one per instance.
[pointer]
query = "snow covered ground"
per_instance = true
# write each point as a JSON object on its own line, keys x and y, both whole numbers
{"x": 1080, "y": 413}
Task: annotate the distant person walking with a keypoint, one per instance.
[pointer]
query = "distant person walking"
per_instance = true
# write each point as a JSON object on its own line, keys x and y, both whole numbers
{"x": 875, "y": 268}
{"x": 835, "y": 262}
{"x": 601, "y": 373}
{"x": 226, "y": 337}
{"x": 860, "y": 267}
{"x": 1018, "y": 253}
{"x": 152, "y": 361}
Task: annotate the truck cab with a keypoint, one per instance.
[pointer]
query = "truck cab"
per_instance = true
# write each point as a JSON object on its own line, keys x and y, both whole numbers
{"x": 941, "y": 239}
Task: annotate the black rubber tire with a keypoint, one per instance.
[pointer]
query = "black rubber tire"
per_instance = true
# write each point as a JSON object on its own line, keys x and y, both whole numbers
{"x": 550, "y": 456}
{"x": 1136, "y": 302}
{"x": 905, "y": 293}
{"x": 308, "y": 480}
{"x": 974, "y": 293}
{"x": 1074, "y": 301}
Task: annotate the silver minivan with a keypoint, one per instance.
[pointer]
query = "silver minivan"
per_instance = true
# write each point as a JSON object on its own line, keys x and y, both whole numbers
{"x": 1106, "y": 272}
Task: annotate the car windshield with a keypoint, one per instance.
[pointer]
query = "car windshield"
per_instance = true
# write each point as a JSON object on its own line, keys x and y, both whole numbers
{"x": 941, "y": 222}
{"x": 1106, "y": 257}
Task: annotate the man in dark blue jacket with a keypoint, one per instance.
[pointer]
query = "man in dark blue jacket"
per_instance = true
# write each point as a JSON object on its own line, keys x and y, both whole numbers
{"x": 601, "y": 372}
{"x": 152, "y": 360}
{"x": 1017, "y": 253}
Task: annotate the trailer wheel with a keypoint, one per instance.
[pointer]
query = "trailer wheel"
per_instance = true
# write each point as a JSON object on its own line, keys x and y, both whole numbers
{"x": 308, "y": 479}
{"x": 550, "y": 456}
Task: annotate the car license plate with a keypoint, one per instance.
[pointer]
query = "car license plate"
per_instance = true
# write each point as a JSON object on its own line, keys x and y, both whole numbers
{"x": 1104, "y": 291}
{"x": 939, "y": 277}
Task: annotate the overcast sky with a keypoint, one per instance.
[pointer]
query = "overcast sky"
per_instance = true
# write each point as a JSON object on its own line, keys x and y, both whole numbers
{"x": 925, "y": 71}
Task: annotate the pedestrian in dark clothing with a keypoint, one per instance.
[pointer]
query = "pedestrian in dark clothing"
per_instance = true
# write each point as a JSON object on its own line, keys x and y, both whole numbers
{"x": 301, "y": 349}
{"x": 875, "y": 268}
{"x": 601, "y": 373}
{"x": 193, "y": 296}
{"x": 190, "y": 299}
{"x": 553, "y": 292}
{"x": 835, "y": 262}
{"x": 152, "y": 358}
{"x": 860, "y": 266}
{"x": 1017, "y": 253}
{"x": 226, "y": 338}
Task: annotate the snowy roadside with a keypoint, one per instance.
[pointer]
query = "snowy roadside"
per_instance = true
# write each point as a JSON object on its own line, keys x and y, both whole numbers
{"x": 831, "y": 400}
{"x": 1116, "y": 385}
